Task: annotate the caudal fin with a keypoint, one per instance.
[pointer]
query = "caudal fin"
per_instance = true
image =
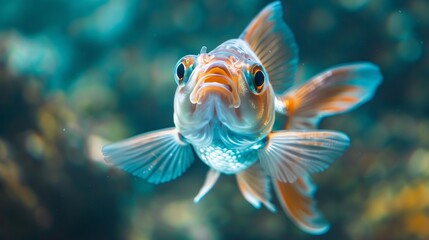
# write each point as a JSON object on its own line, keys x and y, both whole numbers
{"x": 333, "y": 91}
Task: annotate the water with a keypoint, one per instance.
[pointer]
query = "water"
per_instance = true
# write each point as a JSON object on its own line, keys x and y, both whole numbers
{"x": 75, "y": 75}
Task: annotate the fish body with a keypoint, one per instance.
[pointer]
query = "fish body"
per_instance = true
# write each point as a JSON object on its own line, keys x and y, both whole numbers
{"x": 224, "y": 112}
{"x": 218, "y": 110}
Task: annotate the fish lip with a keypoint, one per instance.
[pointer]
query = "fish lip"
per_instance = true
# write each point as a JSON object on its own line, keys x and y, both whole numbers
{"x": 218, "y": 67}
{"x": 216, "y": 79}
{"x": 216, "y": 84}
{"x": 219, "y": 80}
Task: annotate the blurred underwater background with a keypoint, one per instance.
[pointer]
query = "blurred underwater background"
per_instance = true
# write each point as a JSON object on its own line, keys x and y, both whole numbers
{"x": 75, "y": 75}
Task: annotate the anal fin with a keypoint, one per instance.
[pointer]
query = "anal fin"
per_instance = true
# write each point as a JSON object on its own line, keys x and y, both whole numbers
{"x": 298, "y": 203}
{"x": 255, "y": 187}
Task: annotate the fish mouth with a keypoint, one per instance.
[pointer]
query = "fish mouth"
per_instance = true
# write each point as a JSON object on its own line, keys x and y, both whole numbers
{"x": 216, "y": 81}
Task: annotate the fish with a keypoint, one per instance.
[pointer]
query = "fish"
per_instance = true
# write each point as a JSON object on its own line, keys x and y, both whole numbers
{"x": 225, "y": 108}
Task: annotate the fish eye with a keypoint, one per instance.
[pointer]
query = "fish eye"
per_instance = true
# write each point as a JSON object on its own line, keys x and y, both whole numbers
{"x": 180, "y": 71}
{"x": 258, "y": 79}
{"x": 184, "y": 69}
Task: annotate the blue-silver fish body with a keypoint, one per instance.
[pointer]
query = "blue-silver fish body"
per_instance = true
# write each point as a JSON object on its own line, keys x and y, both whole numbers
{"x": 224, "y": 112}
{"x": 218, "y": 110}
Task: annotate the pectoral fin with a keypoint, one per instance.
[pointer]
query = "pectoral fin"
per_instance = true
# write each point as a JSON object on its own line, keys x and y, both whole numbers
{"x": 333, "y": 91}
{"x": 298, "y": 203}
{"x": 255, "y": 187}
{"x": 211, "y": 178}
{"x": 158, "y": 156}
{"x": 289, "y": 155}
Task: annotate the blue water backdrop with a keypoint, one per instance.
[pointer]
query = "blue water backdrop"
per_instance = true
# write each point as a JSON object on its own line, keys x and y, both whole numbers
{"x": 75, "y": 75}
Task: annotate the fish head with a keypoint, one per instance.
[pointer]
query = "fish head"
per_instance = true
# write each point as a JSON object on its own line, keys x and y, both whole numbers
{"x": 227, "y": 86}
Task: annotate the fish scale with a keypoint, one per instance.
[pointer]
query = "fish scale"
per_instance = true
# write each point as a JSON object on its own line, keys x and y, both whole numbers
{"x": 226, "y": 160}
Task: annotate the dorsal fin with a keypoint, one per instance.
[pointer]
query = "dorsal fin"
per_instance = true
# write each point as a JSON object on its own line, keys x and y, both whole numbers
{"x": 274, "y": 44}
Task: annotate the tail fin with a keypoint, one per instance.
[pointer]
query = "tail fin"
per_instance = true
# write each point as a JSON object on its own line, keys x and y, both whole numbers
{"x": 297, "y": 201}
{"x": 334, "y": 91}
